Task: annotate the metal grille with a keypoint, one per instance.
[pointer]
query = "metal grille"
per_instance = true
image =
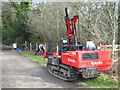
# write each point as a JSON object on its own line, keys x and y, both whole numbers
{"x": 89, "y": 56}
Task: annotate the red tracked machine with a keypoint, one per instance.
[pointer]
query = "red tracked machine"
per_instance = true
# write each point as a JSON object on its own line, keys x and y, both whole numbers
{"x": 71, "y": 59}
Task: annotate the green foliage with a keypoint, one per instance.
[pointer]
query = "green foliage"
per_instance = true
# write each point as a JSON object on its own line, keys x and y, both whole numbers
{"x": 19, "y": 41}
{"x": 14, "y": 22}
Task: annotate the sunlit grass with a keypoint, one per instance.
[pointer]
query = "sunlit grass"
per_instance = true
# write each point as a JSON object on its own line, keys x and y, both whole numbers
{"x": 102, "y": 81}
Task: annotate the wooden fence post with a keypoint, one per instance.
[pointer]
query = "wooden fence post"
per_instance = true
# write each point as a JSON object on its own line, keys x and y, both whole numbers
{"x": 26, "y": 43}
{"x": 45, "y": 45}
{"x": 30, "y": 46}
{"x": 26, "y": 46}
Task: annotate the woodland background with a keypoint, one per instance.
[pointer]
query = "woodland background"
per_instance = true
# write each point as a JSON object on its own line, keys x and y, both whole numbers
{"x": 42, "y": 22}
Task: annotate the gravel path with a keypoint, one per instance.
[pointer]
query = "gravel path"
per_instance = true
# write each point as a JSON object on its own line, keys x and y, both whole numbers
{"x": 20, "y": 72}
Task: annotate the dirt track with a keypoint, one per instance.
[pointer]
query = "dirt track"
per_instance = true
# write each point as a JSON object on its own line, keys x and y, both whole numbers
{"x": 20, "y": 72}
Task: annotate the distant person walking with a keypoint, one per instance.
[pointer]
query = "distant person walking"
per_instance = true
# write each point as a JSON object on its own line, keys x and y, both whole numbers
{"x": 41, "y": 47}
{"x": 90, "y": 45}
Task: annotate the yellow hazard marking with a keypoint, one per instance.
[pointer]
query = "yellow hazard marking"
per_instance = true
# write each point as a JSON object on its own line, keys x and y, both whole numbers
{"x": 74, "y": 53}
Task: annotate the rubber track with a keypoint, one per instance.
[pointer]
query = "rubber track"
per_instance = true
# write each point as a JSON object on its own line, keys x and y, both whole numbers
{"x": 58, "y": 75}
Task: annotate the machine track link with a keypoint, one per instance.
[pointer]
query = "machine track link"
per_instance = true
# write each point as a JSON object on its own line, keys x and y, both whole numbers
{"x": 62, "y": 71}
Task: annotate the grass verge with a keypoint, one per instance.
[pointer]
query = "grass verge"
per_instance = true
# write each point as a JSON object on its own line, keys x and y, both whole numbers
{"x": 36, "y": 58}
{"x": 103, "y": 81}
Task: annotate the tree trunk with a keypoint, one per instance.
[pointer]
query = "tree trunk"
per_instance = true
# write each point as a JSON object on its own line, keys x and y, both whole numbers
{"x": 30, "y": 46}
{"x": 113, "y": 44}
